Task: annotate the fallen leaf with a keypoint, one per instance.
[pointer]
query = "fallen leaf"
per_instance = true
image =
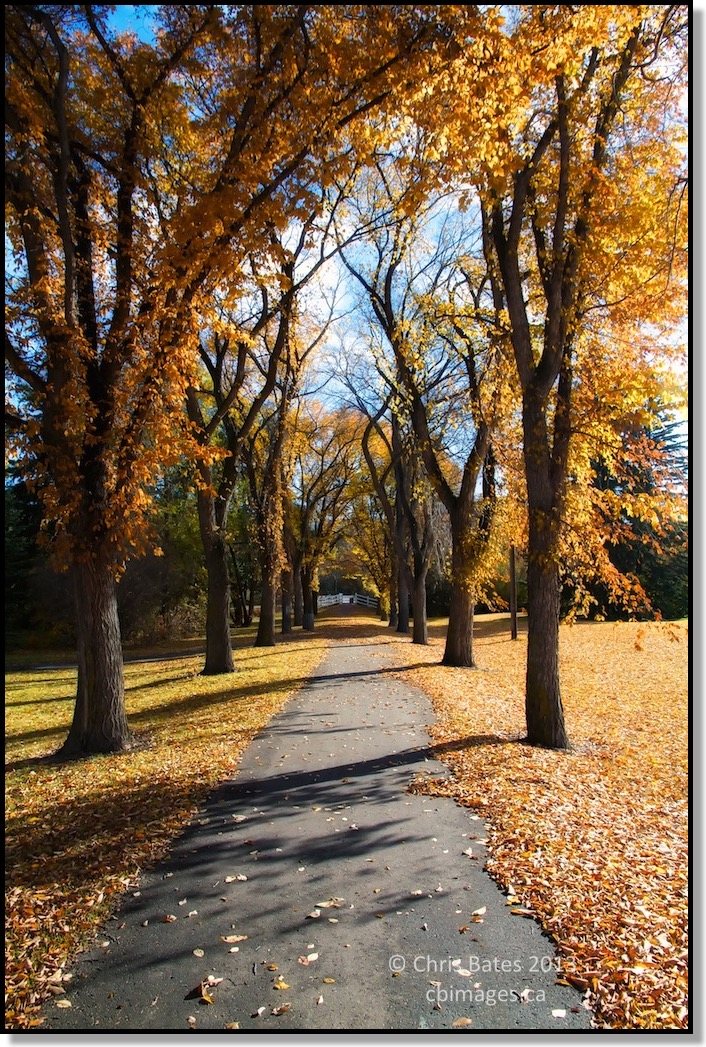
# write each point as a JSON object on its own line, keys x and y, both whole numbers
{"x": 480, "y": 912}
{"x": 232, "y": 1025}
{"x": 329, "y": 981}
{"x": 234, "y": 938}
{"x": 280, "y": 1010}
{"x": 192, "y": 1021}
{"x": 169, "y": 919}
{"x": 559, "y": 1013}
{"x": 319, "y": 1001}
{"x": 258, "y": 1013}
{"x": 461, "y": 1023}
{"x": 314, "y": 915}
{"x": 63, "y": 1003}
{"x": 199, "y": 952}
{"x": 280, "y": 984}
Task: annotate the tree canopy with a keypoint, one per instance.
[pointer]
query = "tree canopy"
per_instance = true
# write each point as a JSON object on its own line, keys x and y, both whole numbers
{"x": 160, "y": 193}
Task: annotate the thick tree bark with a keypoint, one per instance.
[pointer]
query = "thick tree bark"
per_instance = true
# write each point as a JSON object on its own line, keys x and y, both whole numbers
{"x": 287, "y": 601}
{"x": 219, "y": 652}
{"x": 420, "y": 633}
{"x": 298, "y": 596}
{"x": 394, "y": 579}
{"x": 545, "y": 477}
{"x": 100, "y": 720}
{"x": 402, "y": 601}
{"x": 308, "y": 601}
{"x": 459, "y": 637}
{"x": 266, "y": 626}
{"x": 543, "y": 706}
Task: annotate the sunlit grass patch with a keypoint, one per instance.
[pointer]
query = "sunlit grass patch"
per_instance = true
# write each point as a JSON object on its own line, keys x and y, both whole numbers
{"x": 594, "y": 841}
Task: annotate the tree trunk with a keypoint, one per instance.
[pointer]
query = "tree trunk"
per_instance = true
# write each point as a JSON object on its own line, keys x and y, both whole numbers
{"x": 393, "y": 598}
{"x": 420, "y": 633}
{"x": 543, "y": 706}
{"x": 402, "y": 601}
{"x": 298, "y": 596}
{"x": 100, "y": 720}
{"x": 266, "y": 626}
{"x": 287, "y": 595}
{"x": 308, "y": 601}
{"x": 219, "y": 653}
{"x": 459, "y": 637}
{"x": 545, "y": 477}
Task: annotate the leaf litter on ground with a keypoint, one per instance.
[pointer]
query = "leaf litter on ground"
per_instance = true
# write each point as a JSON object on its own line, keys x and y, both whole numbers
{"x": 80, "y": 833}
{"x": 592, "y": 842}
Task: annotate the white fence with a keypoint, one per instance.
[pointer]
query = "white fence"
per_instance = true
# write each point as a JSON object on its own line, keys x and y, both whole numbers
{"x": 365, "y": 601}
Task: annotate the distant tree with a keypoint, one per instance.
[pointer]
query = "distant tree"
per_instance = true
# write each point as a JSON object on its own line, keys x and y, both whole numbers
{"x": 327, "y": 458}
{"x": 430, "y": 293}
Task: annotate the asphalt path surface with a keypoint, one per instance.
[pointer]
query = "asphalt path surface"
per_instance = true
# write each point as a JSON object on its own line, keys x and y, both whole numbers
{"x": 316, "y": 892}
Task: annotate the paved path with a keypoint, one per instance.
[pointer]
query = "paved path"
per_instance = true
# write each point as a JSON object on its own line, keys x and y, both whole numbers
{"x": 341, "y": 863}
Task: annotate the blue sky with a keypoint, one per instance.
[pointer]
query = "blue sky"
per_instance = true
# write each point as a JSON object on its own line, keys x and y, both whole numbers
{"x": 135, "y": 17}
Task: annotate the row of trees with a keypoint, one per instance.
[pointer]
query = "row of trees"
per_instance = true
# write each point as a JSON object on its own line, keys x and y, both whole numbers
{"x": 507, "y": 192}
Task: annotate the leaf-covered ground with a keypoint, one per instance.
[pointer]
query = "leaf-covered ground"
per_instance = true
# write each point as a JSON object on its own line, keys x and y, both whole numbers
{"x": 79, "y": 833}
{"x": 593, "y": 841}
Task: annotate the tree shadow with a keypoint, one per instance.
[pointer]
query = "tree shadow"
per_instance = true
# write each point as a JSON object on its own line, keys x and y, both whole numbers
{"x": 73, "y": 842}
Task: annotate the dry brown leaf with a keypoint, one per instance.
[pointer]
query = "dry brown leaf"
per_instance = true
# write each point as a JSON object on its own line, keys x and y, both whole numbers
{"x": 594, "y": 834}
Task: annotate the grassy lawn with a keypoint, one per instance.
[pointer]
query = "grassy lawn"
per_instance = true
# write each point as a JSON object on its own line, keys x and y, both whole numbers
{"x": 593, "y": 841}
{"x": 79, "y": 833}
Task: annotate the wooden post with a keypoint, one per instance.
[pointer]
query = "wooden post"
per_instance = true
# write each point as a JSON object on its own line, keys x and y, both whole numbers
{"x": 513, "y": 595}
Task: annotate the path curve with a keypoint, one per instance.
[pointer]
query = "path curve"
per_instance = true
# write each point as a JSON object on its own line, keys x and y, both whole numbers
{"x": 318, "y": 820}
